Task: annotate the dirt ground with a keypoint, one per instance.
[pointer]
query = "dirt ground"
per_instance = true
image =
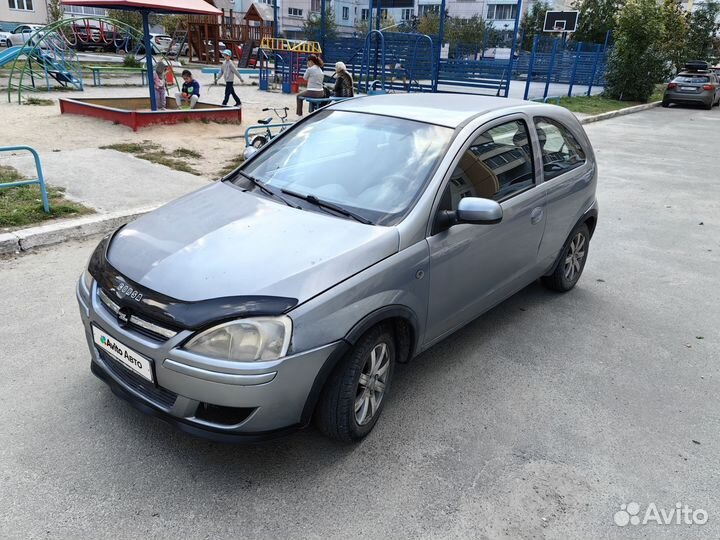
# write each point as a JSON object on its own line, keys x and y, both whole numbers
{"x": 43, "y": 128}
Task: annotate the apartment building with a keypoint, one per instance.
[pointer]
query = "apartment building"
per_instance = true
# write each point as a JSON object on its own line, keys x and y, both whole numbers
{"x": 348, "y": 13}
{"x": 23, "y": 12}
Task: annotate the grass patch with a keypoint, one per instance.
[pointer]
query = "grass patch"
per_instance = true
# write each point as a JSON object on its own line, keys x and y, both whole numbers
{"x": 22, "y": 206}
{"x": 153, "y": 152}
{"x": 186, "y": 153}
{"x": 600, "y": 104}
{"x": 232, "y": 165}
{"x": 37, "y": 101}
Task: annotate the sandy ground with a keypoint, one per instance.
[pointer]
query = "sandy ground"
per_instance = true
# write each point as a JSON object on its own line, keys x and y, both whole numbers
{"x": 43, "y": 128}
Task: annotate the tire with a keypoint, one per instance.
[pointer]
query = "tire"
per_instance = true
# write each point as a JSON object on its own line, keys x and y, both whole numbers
{"x": 572, "y": 261}
{"x": 259, "y": 141}
{"x": 349, "y": 408}
{"x": 709, "y": 106}
{"x": 665, "y": 104}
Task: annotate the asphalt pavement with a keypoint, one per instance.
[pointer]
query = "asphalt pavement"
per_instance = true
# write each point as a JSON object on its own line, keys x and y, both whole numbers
{"x": 538, "y": 420}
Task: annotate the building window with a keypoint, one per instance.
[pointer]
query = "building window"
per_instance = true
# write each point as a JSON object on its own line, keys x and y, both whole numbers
{"x": 364, "y": 14}
{"x": 83, "y": 10}
{"x": 501, "y": 12}
{"x": 295, "y": 12}
{"x": 22, "y": 5}
{"x": 406, "y": 14}
{"x": 315, "y": 5}
{"x": 428, "y": 8}
{"x": 345, "y": 13}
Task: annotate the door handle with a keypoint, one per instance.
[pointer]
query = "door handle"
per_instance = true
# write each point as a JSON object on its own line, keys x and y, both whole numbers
{"x": 536, "y": 215}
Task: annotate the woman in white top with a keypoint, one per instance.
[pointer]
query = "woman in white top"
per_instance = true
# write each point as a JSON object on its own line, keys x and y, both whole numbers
{"x": 315, "y": 77}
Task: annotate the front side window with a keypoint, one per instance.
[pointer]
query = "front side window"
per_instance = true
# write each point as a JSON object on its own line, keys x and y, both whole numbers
{"x": 497, "y": 165}
{"x": 375, "y": 166}
{"x": 560, "y": 150}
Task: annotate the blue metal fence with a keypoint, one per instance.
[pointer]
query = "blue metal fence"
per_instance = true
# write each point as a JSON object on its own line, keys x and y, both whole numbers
{"x": 411, "y": 62}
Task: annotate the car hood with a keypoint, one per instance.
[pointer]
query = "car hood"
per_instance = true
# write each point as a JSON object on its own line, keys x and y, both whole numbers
{"x": 220, "y": 242}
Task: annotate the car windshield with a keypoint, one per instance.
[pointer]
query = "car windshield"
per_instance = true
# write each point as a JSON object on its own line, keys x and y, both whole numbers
{"x": 373, "y": 166}
{"x": 692, "y": 79}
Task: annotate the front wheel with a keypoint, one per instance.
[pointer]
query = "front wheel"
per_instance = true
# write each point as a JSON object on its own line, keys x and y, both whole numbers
{"x": 354, "y": 395}
{"x": 259, "y": 141}
{"x": 572, "y": 261}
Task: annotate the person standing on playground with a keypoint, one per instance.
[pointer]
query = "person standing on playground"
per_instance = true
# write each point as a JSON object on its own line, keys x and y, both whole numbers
{"x": 315, "y": 77}
{"x": 190, "y": 91}
{"x": 343, "y": 81}
{"x": 228, "y": 72}
{"x": 159, "y": 84}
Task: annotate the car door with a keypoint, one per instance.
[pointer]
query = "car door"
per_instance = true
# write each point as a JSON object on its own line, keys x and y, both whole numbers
{"x": 473, "y": 267}
{"x": 567, "y": 176}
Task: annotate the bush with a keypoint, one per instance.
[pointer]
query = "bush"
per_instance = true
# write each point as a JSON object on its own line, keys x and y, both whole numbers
{"x": 130, "y": 61}
{"x": 637, "y": 61}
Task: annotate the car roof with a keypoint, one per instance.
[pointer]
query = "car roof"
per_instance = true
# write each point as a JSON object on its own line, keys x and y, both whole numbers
{"x": 450, "y": 110}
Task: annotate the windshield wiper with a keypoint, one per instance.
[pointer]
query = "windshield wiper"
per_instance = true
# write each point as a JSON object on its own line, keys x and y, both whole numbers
{"x": 262, "y": 187}
{"x": 312, "y": 199}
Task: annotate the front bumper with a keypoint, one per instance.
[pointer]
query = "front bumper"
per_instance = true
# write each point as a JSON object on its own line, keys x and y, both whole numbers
{"x": 204, "y": 397}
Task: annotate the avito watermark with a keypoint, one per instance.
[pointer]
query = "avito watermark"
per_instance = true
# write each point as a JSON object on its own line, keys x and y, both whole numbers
{"x": 680, "y": 514}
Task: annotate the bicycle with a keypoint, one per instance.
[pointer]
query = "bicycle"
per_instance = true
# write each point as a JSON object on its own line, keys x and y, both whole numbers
{"x": 261, "y": 140}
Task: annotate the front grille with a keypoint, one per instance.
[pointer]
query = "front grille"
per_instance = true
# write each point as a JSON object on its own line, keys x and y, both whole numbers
{"x": 139, "y": 324}
{"x": 156, "y": 394}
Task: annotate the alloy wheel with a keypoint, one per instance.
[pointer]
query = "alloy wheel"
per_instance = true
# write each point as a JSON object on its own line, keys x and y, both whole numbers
{"x": 371, "y": 384}
{"x": 575, "y": 256}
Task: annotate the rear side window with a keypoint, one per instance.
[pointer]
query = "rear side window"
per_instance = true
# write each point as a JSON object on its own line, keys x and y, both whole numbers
{"x": 497, "y": 164}
{"x": 561, "y": 151}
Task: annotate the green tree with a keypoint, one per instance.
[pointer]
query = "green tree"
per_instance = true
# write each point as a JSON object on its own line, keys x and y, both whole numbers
{"x": 55, "y": 11}
{"x": 702, "y": 32}
{"x": 466, "y": 31}
{"x": 532, "y": 23}
{"x": 674, "y": 35}
{"x": 172, "y": 23}
{"x": 637, "y": 60}
{"x": 429, "y": 24}
{"x": 311, "y": 26}
{"x": 387, "y": 24}
{"x": 595, "y": 19}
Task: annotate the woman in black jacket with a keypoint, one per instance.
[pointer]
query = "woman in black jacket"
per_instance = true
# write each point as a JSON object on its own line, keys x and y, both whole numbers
{"x": 343, "y": 81}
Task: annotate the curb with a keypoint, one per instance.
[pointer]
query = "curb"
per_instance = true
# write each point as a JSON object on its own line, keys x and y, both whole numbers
{"x": 71, "y": 229}
{"x": 620, "y": 112}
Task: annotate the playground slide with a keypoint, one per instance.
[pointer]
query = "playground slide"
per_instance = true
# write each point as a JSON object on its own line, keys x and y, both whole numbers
{"x": 55, "y": 69}
{"x": 8, "y": 55}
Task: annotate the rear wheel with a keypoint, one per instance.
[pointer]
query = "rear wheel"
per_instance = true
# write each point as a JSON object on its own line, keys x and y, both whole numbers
{"x": 572, "y": 261}
{"x": 665, "y": 103}
{"x": 353, "y": 397}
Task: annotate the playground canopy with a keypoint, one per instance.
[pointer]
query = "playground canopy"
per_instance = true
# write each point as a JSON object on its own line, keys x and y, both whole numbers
{"x": 145, "y": 7}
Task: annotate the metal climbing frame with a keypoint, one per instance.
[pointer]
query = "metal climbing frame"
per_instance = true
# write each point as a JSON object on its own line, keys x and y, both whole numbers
{"x": 49, "y": 56}
{"x": 415, "y": 54}
{"x": 281, "y": 61}
{"x": 40, "y": 180}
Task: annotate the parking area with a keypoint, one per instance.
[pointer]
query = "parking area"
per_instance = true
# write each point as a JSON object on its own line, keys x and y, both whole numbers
{"x": 537, "y": 420}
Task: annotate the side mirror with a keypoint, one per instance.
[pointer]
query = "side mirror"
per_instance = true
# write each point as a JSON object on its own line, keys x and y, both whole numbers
{"x": 478, "y": 211}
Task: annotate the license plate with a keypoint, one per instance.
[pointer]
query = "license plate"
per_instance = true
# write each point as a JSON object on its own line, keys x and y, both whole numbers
{"x": 126, "y": 356}
{"x": 688, "y": 88}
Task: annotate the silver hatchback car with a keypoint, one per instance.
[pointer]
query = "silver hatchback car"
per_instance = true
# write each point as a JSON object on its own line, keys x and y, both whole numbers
{"x": 365, "y": 234}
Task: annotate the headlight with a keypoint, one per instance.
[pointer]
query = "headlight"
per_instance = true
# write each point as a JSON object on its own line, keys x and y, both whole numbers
{"x": 245, "y": 340}
{"x": 87, "y": 280}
